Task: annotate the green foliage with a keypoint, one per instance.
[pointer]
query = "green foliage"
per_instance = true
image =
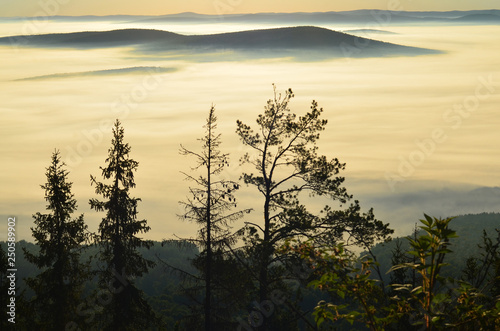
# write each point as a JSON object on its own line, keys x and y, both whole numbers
{"x": 430, "y": 250}
{"x": 431, "y": 301}
{"x": 59, "y": 239}
{"x": 118, "y": 230}
{"x": 355, "y": 296}
{"x": 459, "y": 305}
{"x": 469, "y": 229}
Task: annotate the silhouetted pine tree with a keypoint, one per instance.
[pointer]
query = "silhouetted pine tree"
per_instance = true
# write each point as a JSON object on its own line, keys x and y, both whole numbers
{"x": 59, "y": 285}
{"x": 287, "y": 164}
{"x": 118, "y": 230}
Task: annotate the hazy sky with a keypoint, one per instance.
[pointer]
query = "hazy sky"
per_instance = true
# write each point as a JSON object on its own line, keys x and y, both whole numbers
{"x": 27, "y": 8}
{"x": 382, "y": 114}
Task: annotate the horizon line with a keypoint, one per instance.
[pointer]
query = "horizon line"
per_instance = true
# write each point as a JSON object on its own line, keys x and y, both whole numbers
{"x": 259, "y": 13}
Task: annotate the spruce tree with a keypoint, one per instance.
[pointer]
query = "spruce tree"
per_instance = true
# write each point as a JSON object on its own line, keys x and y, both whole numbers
{"x": 210, "y": 204}
{"x": 59, "y": 238}
{"x": 119, "y": 241}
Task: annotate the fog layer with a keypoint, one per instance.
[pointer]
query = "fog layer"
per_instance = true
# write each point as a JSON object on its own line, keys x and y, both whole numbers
{"x": 405, "y": 126}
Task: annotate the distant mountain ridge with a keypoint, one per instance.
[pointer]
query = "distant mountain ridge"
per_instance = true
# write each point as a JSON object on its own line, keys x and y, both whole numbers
{"x": 377, "y": 16}
{"x": 303, "y": 39}
{"x": 346, "y": 17}
{"x": 485, "y": 18}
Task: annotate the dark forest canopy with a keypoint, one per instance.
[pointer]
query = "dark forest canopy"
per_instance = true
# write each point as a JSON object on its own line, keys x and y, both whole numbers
{"x": 161, "y": 284}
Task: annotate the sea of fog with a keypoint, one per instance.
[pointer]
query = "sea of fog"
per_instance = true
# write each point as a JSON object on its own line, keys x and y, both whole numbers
{"x": 418, "y": 134}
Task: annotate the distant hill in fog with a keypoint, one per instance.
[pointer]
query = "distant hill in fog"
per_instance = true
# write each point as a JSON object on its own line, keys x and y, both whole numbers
{"x": 281, "y": 41}
{"x": 367, "y": 31}
{"x": 107, "y": 72}
{"x": 483, "y": 18}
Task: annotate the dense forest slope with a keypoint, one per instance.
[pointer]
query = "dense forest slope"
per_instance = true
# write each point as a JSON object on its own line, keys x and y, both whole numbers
{"x": 469, "y": 229}
{"x": 162, "y": 284}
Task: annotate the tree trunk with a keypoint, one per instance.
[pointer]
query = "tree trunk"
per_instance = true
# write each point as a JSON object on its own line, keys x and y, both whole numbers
{"x": 208, "y": 280}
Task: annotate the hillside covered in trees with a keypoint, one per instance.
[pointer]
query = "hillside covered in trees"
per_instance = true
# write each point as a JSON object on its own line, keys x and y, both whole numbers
{"x": 470, "y": 231}
{"x": 163, "y": 285}
{"x": 289, "y": 268}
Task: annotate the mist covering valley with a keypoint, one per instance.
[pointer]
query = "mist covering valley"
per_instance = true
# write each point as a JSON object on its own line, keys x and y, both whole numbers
{"x": 411, "y": 100}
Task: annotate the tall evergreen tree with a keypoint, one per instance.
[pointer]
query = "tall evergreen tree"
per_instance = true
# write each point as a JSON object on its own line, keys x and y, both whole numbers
{"x": 210, "y": 205}
{"x": 58, "y": 287}
{"x": 118, "y": 230}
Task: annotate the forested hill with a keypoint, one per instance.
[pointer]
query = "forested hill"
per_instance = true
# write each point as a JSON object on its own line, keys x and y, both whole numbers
{"x": 469, "y": 229}
{"x": 295, "y": 39}
{"x": 173, "y": 254}
{"x": 163, "y": 285}
{"x": 160, "y": 284}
